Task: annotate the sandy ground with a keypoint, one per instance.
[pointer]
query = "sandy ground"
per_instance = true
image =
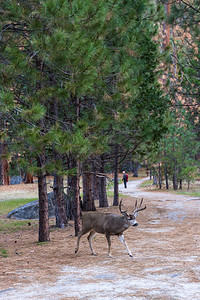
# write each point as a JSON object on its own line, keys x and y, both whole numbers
{"x": 165, "y": 266}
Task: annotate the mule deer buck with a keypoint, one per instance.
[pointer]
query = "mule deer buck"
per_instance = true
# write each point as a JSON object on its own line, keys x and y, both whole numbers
{"x": 108, "y": 224}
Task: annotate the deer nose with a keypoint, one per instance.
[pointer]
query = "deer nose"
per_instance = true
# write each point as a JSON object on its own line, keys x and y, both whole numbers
{"x": 135, "y": 224}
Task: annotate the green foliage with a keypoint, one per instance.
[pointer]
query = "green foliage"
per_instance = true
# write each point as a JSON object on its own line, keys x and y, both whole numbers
{"x": 178, "y": 148}
{"x": 185, "y": 19}
{"x": 83, "y": 77}
{"x": 3, "y": 252}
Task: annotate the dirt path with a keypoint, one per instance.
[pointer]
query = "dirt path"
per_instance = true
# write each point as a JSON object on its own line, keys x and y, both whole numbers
{"x": 166, "y": 263}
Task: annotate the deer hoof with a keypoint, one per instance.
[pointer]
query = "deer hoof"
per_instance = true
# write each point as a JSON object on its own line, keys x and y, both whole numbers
{"x": 94, "y": 254}
{"x": 130, "y": 255}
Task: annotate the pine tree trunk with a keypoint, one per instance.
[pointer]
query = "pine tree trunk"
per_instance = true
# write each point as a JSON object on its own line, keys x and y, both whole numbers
{"x": 175, "y": 183}
{"x": 60, "y": 205}
{"x": 188, "y": 188}
{"x": 135, "y": 169}
{"x": 166, "y": 177}
{"x": 95, "y": 181}
{"x": 180, "y": 184}
{"x": 150, "y": 174}
{"x": 103, "y": 201}
{"x": 74, "y": 192}
{"x": 155, "y": 179}
{"x": 159, "y": 177}
{"x": 4, "y": 165}
{"x": 88, "y": 198}
{"x": 116, "y": 183}
{"x": 43, "y": 202}
{"x": 28, "y": 178}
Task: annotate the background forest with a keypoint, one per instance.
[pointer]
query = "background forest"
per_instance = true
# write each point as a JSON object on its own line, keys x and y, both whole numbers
{"x": 89, "y": 88}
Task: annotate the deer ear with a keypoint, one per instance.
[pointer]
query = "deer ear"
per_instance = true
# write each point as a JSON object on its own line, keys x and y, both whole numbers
{"x": 126, "y": 215}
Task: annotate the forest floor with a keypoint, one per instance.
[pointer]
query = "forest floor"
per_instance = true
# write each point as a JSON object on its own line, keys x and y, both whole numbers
{"x": 165, "y": 247}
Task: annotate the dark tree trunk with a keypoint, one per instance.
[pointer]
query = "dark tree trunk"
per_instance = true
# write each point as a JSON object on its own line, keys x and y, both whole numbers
{"x": 180, "y": 184}
{"x": 135, "y": 169}
{"x": 4, "y": 165}
{"x": 166, "y": 177}
{"x": 43, "y": 201}
{"x": 151, "y": 174}
{"x": 28, "y": 178}
{"x": 103, "y": 201}
{"x": 188, "y": 188}
{"x": 88, "y": 197}
{"x": 60, "y": 205}
{"x": 95, "y": 180}
{"x": 159, "y": 177}
{"x": 155, "y": 179}
{"x": 74, "y": 194}
{"x": 180, "y": 180}
{"x": 175, "y": 183}
{"x": 116, "y": 183}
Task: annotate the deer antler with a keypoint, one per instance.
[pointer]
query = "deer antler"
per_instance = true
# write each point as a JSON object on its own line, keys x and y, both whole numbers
{"x": 139, "y": 209}
{"x": 120, "y": 208}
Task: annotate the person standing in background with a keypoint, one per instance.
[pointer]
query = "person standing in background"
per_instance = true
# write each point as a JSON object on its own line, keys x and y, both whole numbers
{"x": 125, "y": 179}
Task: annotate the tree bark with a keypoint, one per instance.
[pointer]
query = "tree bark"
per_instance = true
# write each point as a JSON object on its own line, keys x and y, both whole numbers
{"x": 166, "y": 177}
{"x": 159, "y": 177}
{"x": 60, "y": 205}
{"x": 180, "y": 184}
{"x": 43, "y": 201}
{"x": 4, "y": 165}
{"x": 74, "y": 192}
{"x": 116, "y": 183}
{"x": 28, "y": 178}
{"x": 135, "y": 169}
{"x": 175, "y": 183}
{"x": 95, "y": 180}
{"x": 88, "y": 197}
{"x": 103, "y": 201}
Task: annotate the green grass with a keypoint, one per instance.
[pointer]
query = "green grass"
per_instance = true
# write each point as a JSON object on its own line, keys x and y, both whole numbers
{"x": 179, "y": 192}
{"x": 12, "y": 225}
{"x": 7, "y": 205}
{"x": 191, "y": 193}
{"x": 3, "y": 252}
{"x": 146, "y": 183}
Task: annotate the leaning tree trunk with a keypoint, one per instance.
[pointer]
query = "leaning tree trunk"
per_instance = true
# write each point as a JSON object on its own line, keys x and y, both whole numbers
{"x": 43, "y": 201}
{"x": 103, "y": 201}
{"x": 116, "y": 183}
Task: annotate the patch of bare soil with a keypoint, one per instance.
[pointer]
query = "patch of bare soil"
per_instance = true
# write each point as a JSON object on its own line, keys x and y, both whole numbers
{"x": 165, "y": 265}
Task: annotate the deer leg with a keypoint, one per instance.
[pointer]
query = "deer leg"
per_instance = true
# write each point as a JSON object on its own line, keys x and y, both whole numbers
{"x": 109, "y": 244}
{"x": 121, "y": 238}
{"x": 78, "y": 240}
{"x": 81, "y": 233}
{"x": 90, "y": 237}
